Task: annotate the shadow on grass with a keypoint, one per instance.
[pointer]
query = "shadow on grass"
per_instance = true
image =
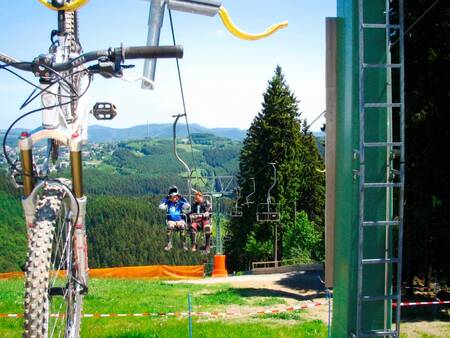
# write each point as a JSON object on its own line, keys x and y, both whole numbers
{"x": 263, "y": 292}
{"x": 427, "y": 313}
{"x": 304, "y": 281}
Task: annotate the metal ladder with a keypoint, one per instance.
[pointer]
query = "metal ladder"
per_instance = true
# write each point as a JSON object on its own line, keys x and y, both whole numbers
{"x": 394, "y": 168}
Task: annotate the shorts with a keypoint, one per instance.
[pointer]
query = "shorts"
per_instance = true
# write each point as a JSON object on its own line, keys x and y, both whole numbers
{"x": 176, "y": 225}
{"x": 201, "y": 224}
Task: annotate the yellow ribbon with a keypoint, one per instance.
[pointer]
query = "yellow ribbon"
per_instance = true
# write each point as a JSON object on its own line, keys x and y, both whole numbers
{"x": 247, "y": 36}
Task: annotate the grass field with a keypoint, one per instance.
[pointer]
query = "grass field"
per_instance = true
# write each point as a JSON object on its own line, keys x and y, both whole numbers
{"x": 133, "y": 296}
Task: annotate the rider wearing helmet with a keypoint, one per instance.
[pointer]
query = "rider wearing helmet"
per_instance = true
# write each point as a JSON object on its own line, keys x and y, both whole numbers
{"x": 200, "y": 217}
{"x": 176, "y": 207}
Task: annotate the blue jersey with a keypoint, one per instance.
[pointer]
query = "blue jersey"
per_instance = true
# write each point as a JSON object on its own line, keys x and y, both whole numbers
{"x": 175, "y": 209}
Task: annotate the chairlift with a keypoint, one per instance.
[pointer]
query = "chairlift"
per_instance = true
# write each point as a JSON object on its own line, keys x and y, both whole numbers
{"x": 247, "y": 198}
{"x": 269, "y": 211}
{"x": 188, "y": 170}
{"x": 236, "y": 210}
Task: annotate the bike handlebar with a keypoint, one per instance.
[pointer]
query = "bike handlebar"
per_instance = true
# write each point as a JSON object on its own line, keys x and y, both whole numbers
{"x": 118, "y": 54}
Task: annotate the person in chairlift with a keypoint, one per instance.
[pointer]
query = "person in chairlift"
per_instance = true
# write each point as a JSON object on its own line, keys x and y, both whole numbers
{"x": 200, "y": 218}
{"x": 176, "y": 207}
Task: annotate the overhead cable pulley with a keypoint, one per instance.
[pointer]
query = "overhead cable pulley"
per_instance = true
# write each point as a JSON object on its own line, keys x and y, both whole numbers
{"x": 201, "y": 7}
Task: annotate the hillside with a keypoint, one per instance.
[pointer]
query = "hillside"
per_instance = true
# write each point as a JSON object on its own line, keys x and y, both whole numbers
{"x": 143, "y": 167}
{"x": 99, "y": 134}
{"x": 124, "y": 182}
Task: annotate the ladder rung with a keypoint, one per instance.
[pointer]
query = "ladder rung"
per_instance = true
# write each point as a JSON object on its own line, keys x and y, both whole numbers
{"x": 379, "y": 298}
{"x": 382, "y": 144}
{"x": 380, "y": 223}
{"x": 382, "y": 105}
{"x": 381, "y": 65}
{"x": 380, "y": 261}
{"x": 382, "y": 185}
{"x": 380, "y": 25}
{"x": 379, "y": 333}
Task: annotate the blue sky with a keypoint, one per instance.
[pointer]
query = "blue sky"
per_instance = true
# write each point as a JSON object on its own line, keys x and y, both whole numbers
{"x": 223, "y": 77}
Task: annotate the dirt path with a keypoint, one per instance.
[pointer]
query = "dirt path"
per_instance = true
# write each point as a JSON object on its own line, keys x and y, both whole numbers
{"x": 303, "y": 287}
{"x": 299, "y": 287}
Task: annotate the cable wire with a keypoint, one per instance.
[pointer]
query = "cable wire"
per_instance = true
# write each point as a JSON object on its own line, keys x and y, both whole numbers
{"x": 184, "y": 105}
{"x": 13, "y": 165}
{"x": 416, "y": 22}
{"x": 315, "y": 120}
{"x": 5, "y": 67}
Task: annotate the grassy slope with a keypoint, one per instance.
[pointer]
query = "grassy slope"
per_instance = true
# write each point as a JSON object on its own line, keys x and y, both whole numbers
{"x": 131, "y": 296}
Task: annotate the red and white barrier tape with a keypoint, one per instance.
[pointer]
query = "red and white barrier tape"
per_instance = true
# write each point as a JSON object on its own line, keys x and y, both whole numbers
{"x": 437, "y": 302}
{"x": 218, "y": 313}
{"x": 186, "y": 314}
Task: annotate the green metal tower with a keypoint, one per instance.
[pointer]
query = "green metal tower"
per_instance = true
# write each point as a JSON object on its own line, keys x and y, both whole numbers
{"x": 369, "y": 168}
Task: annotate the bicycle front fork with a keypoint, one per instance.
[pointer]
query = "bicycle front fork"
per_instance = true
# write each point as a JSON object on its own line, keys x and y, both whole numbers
{"x": 76, "y": 195}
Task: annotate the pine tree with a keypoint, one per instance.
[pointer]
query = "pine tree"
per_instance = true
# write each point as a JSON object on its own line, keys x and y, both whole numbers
{"x": 276, "y": 135}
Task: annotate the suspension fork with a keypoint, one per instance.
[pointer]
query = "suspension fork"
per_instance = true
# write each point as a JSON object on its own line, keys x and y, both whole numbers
{"x": 79, "y": 240}
{"x": 26, "y": 158}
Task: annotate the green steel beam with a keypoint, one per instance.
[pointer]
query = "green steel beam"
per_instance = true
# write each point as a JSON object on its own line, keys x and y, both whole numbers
{"x": 378, "y": 128}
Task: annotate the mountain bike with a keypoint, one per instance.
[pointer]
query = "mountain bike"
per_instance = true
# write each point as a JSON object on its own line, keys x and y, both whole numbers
{"x": 56, "y": 269}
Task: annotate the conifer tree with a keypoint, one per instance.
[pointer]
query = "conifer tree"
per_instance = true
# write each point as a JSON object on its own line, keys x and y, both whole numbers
{"x": 276, "y": 135}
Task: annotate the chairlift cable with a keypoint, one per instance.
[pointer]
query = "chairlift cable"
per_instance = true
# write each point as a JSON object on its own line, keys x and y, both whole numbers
{"x": 184, "y": 103}
{"x": 416, "y": 22}
{"x": 315, "y": 120}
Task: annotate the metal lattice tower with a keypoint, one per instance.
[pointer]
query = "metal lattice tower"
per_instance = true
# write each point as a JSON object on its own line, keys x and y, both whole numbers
{"x": 380, "y": 238}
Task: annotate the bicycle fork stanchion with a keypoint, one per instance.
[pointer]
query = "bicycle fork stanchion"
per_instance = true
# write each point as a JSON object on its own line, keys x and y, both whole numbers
{"x": 80, "y": 241}
{"x": 26, "y": 155}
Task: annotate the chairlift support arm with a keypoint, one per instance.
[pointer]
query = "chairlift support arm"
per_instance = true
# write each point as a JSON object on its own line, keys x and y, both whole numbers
{"x": 247, "y": 202}
{"x": 274, "y": 182}
{"x": 177, "y": 117}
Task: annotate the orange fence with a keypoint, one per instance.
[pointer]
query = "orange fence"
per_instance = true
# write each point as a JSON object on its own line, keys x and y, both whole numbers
{"x": 137, "y": 272}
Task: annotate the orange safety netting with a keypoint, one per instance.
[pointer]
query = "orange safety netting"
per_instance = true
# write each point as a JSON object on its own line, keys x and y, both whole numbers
{"x": 137, "y": 272}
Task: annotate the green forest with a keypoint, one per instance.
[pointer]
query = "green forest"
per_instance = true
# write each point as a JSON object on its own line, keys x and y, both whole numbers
{"x": 278, "y": 135}
{"x": 124, "y": 225}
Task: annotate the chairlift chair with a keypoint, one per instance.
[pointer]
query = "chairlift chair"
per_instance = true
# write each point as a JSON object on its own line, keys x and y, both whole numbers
{"x": 247, "y": 202}
{"x": 236, "y": 211}
{"x": 269, "y": 212}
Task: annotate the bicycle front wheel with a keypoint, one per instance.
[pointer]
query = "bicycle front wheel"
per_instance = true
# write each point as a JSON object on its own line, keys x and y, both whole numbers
{"x": 53, "y": 296}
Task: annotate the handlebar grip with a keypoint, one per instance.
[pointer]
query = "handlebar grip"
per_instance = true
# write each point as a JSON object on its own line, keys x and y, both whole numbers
{"x": 153, "y": 52}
